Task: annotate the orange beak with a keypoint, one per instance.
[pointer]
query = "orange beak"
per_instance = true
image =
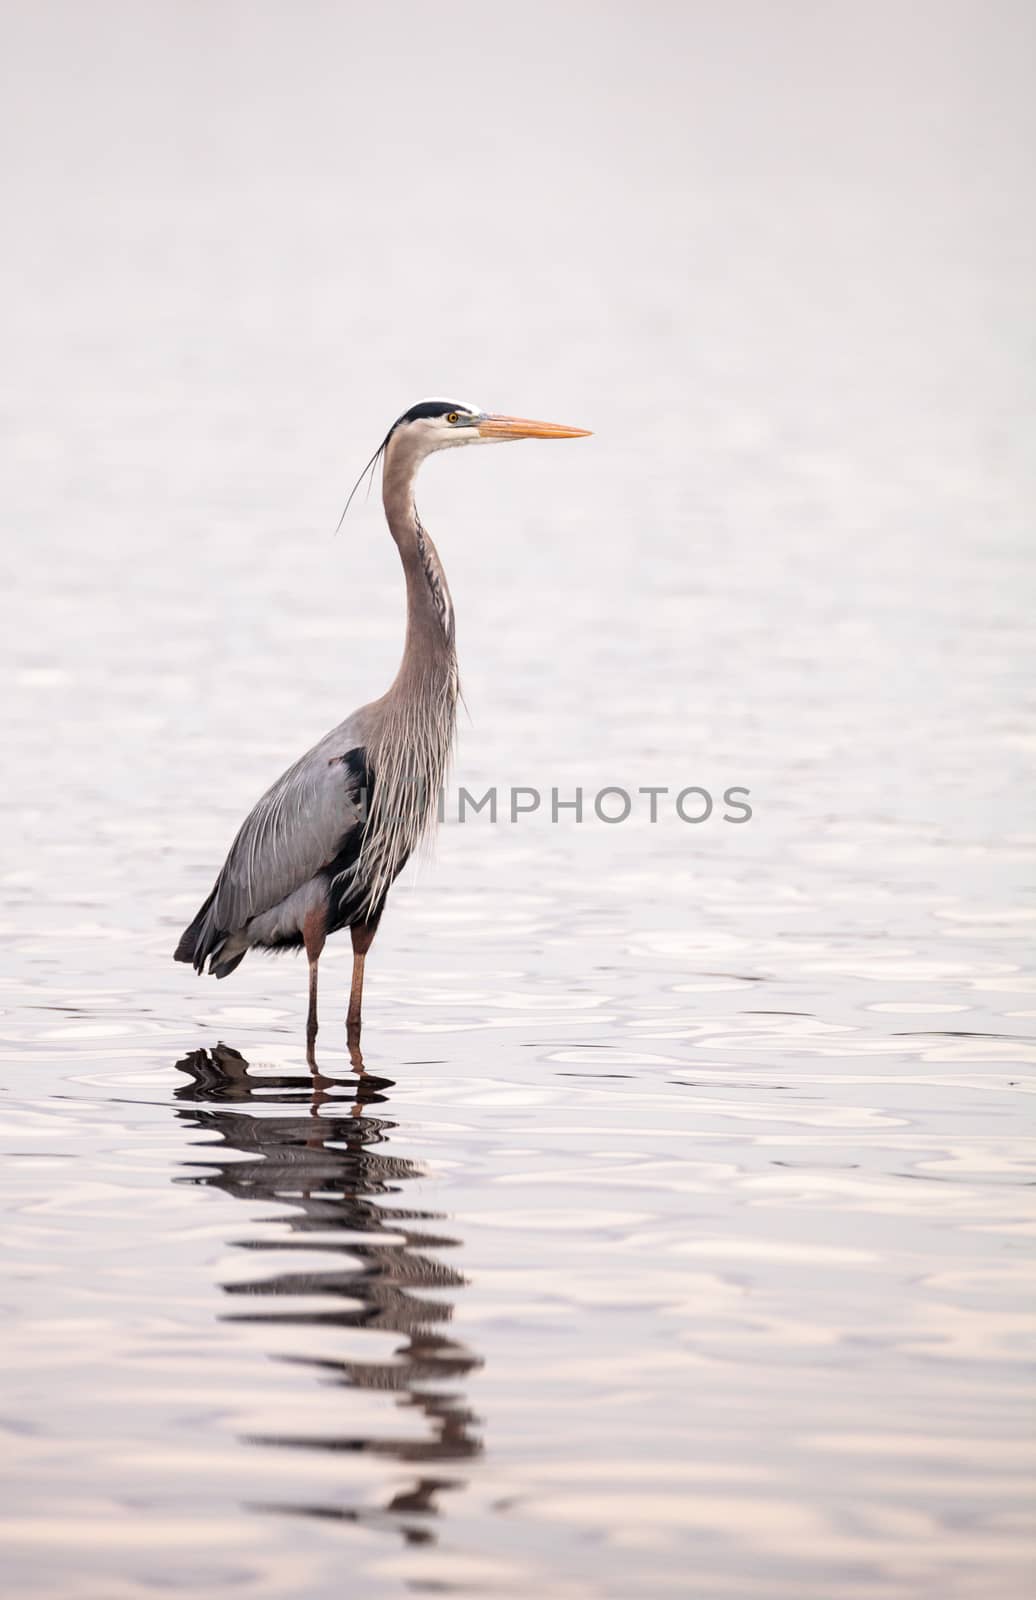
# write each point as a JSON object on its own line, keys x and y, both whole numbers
{"x": 493, "y": 427}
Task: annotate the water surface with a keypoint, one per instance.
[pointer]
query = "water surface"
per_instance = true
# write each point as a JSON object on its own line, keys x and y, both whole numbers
{"x": 676, "y": 1238}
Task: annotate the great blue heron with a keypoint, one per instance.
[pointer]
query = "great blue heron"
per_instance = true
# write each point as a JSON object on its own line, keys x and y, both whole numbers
{"x": 321, "y": 849}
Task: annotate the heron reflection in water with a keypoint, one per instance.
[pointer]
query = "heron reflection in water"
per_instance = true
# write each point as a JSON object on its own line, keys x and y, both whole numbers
{"x": 330, "y": 1164}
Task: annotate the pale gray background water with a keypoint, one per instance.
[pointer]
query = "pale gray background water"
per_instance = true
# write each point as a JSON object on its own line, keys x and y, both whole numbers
{"x": 686, "y": 1250}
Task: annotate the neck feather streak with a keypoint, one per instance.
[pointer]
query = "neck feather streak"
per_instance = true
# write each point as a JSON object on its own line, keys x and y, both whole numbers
{"x": 409, "y": 755}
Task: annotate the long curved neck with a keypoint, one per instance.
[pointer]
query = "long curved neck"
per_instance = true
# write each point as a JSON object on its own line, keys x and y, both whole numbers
{"x": 429, "y": 649}
{"x": 410, "y": 741}
{"x": 411, "y": 735}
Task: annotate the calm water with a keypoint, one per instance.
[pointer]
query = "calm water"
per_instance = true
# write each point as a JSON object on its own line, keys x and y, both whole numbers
{"x": 676, "y": 1240}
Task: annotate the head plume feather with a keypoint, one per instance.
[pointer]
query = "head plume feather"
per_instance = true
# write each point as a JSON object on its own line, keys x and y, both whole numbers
{"x": 368, "y": 473}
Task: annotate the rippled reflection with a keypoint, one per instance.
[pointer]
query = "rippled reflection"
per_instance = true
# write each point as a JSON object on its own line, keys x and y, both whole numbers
{"x": 330, "y": 1162}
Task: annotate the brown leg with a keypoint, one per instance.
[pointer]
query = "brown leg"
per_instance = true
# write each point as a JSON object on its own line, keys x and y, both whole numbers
{"x": 314, "y": 932}
{"x": 363, "y": 938}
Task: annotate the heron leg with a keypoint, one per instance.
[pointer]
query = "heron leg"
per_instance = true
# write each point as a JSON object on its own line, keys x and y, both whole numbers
{"x": 363, "y": 938}
{"x": 314, "y": 932}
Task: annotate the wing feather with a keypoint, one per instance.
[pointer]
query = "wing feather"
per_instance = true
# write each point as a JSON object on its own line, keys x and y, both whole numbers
{"x": 291, "y": 834}
{"x": 299, "y": 827}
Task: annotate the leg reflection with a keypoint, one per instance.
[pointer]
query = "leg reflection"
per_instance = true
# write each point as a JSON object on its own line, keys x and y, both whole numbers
{"x": 311, "y": 1142}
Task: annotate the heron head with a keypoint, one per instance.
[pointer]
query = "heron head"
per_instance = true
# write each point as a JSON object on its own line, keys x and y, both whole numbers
{"x": 441, "y": 424}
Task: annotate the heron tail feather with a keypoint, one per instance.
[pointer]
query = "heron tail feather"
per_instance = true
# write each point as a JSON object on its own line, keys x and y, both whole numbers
{"x": 223, "y": 969}
{"x": 188, "y": 947}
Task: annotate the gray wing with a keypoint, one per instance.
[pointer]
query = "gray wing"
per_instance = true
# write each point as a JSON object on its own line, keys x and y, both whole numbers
{"x": 296, "y": 829}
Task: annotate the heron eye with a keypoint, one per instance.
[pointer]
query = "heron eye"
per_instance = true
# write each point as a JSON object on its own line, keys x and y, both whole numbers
{"x": 453, "y": 417}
